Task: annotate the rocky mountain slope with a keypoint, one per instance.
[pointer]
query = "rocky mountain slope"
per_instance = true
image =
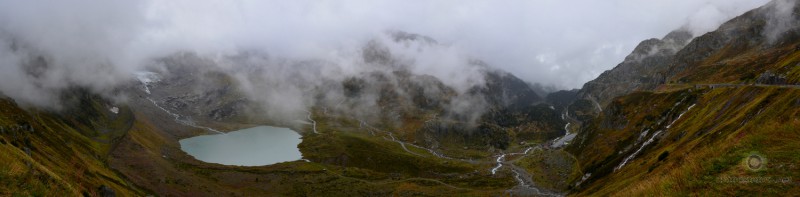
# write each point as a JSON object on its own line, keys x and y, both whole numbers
{"x": 644, "y": 69}
{"x": 195, "y": 89}
{"x": 711, "y": 114}
{"x": 753, "y": 48}
{"x": 424, "y": 137}
{"x": 717, "y": 111}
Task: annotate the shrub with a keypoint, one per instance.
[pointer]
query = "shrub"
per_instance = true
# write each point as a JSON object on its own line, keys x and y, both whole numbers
{"x": 663, "y": 155}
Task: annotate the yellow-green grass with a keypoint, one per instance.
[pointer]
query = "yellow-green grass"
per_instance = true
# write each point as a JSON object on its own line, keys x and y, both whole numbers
{"x": 66, "y": 156}
{"x": 706, "y": 147}
{"x": 347, "y": 161}
{"x": 345, "y": 147}
{"x": 551, "y": 169}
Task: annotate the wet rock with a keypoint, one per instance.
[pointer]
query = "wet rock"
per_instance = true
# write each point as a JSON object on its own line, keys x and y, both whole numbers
{"x": 106, "y": 191}
{"x": 771, "y": 78}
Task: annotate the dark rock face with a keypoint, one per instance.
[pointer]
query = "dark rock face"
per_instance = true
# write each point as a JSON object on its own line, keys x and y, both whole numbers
{"x": 643, "y": 69}
{"x": 762, "y": 29}
{"x": 771, "y": 79}
{"x": 562, "y": 99}
{"x": 679, "y": 58}
{"x": 507, "y": 103}
{"x": 493, "y": 129}
{"x": 582, "y": 109}
{"x": 353, "y": 87}
{"x": 504, "y": 90}
{"x": 400, "y": 36}
{"x": 427, "y": 92}
{"x": 464, "y": 134}
{"x": 538, "y": 123}
{"x": 376, "y": 53}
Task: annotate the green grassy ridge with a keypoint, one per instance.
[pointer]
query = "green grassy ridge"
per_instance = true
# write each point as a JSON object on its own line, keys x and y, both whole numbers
{"x": 551, "y": 169}
{"x": 705, "y": 148}
{"x": 89, "y": 147}
{"x": 319, "y": 179}
{"x": 349, "y": 146}
{"x": 67, "y": 153}
{"x": 348, "y": 161}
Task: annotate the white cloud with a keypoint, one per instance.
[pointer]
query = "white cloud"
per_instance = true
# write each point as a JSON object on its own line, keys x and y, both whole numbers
{"x": 97, "y": 42}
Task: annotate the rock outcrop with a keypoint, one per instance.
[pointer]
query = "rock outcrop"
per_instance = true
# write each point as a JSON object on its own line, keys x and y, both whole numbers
{"x": 643, "y": 69}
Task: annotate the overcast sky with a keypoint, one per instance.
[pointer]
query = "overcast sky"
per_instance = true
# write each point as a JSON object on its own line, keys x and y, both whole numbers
{"x": 559, "y": 42}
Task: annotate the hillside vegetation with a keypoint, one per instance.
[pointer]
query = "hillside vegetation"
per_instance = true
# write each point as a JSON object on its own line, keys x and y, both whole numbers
{"x": 54, "y": 154}
{"x": 702, "y": 150}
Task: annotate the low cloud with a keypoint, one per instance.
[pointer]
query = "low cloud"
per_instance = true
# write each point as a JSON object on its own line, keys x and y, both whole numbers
{"x": 781, "y": 18}
{"x": 100, "y": 44}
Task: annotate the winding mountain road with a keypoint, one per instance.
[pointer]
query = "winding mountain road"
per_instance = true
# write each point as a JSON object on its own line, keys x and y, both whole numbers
{"x": 720, "y": 85}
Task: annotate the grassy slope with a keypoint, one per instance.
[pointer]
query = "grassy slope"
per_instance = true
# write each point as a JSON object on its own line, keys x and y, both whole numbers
{"x": 551, "y": 169}
{"x": 347, "y": 162}
{"x": 346, "y": 147}
{"x": 77, "y": 153}
{"x": 705, "y": 146}
{"x": 66, "y": 155}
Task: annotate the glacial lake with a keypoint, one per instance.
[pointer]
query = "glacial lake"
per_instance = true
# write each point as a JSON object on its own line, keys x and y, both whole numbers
{"x": 257, "y": 146}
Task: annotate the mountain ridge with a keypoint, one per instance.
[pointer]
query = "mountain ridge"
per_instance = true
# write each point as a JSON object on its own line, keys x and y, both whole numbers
{"x": 723, "y": 98}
